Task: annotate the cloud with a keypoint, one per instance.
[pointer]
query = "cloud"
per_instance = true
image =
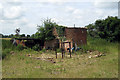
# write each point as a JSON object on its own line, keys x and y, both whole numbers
{"x": 12, "y": 12}
{"x": 1, "y": 6}
{"x": 69, "y": 9}
{"x": 119, "y": 10}
{"x": 85, "y": 16}
{"x": 27, "y": 14}
{"x": 11, "y": 9}
{"x": 9, "y": 26}
{"x": 55, "y": 20}
{"x": 106, "y": 5}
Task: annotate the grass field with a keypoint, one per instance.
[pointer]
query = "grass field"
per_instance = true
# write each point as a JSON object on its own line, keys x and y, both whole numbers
{"x": 33, "y": 64}
{"x": 6, "y": 38}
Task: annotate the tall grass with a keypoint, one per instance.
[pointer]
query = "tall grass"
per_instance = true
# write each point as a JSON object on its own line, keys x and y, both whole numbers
{"x": 7, "y": 47}
{"x": 100, "y": 45}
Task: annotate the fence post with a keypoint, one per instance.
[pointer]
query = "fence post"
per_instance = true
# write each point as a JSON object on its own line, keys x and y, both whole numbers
{"x": 62, "y": 49}
{"x": 56, "y": 53}
{"x": 70, "y": 48}
{"x": 62, "y": 53}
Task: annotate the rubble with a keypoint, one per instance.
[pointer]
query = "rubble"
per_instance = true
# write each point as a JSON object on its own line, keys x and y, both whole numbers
{"x": 97, "y": 54}
{"x": 12, "y": 52}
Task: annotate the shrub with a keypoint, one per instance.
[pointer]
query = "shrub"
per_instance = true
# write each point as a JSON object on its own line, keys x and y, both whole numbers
{"x": 6, "y": 44}
{"x": 58, "y": 50}
{"x": 43, "y": 50}
{"x": 40, "y": 52}
{"x": 5, "y": 53}
{"x": 36, "y": 47}
{"x": 19, "y": 47}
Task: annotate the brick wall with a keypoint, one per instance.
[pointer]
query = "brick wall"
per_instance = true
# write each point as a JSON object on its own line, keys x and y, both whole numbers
{"x": 79, "y": 35}
{"x": 51, "y": 44}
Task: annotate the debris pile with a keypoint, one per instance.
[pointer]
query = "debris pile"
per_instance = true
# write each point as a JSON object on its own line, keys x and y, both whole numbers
{"x": 95, "y": 54}
{"x": 12, "y": 52}
{"x": 44, "y": 58}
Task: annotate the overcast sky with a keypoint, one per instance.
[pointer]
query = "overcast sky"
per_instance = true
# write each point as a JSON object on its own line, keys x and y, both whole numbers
{"x": 26, "y": 14}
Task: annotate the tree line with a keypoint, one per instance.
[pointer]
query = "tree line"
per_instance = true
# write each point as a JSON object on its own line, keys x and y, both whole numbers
{"x": 108, "y": 29}
{"x": 14, "y": 36}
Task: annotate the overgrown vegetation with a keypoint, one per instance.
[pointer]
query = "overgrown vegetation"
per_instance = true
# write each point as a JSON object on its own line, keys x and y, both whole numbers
{"x": 36, "y": 47}
{"x": 7, "y": 47}
{"x": 45, "y": 30}
{"x": 60, "y": 30}
{"x": 100, "y": 45}
{"x": 35, "y": 64}
{"x": 108, "y": 29}
{"x": 79, "y": 66}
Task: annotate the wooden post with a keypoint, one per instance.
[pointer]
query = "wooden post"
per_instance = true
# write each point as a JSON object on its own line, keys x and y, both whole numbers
{"x": 64, "y": 49}
{"x": 70, "y": 48}
{"x": 56, "y": 53}
{"x": 62, "y": 53}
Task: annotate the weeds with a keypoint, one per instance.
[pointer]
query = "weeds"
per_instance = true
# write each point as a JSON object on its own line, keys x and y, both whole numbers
{"x": 43, "y": 50}
{"x": 7, "y": 47}
{"x": 58, "y": 50}
{"x": 99, "y": 44}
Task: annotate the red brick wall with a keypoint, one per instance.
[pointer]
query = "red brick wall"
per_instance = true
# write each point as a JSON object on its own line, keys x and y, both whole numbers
{"x": 79, "y": 35}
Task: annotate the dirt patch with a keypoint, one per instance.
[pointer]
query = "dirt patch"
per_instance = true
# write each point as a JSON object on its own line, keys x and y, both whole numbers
{"x": 46, "y": 59}
{"x": 42, "y": 57}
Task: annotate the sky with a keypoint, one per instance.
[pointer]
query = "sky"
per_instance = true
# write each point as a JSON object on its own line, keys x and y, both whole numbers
{"x": 27, "y": 14}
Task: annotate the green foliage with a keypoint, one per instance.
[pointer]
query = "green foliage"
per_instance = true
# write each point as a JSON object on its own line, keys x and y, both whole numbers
{"x": 7, "y": 44}
{"x": 43, "y": 50}
{"x": 98, "y": 44}
{"x": 28, "y": 36}
{"x": 91, "y": 30}
{"x": 22, "y": 35}
{"x": 7, "y": 47}
{"x": 36, "y": 47}
{"x": 45, "y": 31}
{"x": 60, "y": 30}
{"x": 5, "y": 53}
{"x": 58, "y": 50}
{"x": 108, "y": 29}
{"x": 19, "y": 47}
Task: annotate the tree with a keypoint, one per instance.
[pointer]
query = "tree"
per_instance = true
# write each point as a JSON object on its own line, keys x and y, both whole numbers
{"x": 22, "y": 35}
{"x": 92, "y": 31}
{"x": 11, "y": 36}
{"x": 108, "y": 28}
{"x": 28, "y": 36}
{"x": 45, "y": 30}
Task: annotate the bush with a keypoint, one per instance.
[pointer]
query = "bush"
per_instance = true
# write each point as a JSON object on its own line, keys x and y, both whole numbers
{"x": 19, "y": 47}
{"x": 5, "y": 53}
{"x": 108, "y": 29}
{"x": 36, "y": 47}
{"x": 6, "y": 44}
{"x": 43, "y": 50}
{"x": 40, "y": 52}
{"x": 58, "y": 50}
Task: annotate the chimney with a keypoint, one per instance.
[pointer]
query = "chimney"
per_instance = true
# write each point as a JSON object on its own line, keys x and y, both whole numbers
{"x": 74, "y": 25}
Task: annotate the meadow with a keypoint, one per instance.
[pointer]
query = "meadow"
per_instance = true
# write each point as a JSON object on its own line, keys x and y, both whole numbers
{"x": 26, "y": 63}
